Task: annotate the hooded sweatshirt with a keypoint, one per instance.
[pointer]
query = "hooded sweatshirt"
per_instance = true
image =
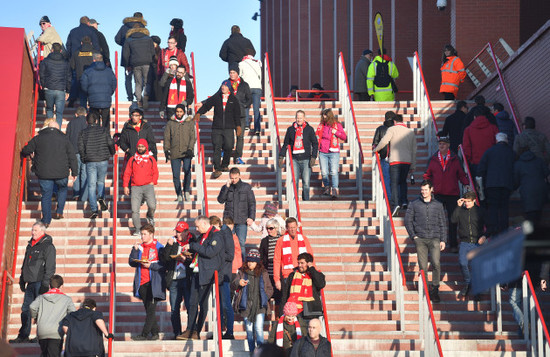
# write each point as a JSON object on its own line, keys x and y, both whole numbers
{"x": 141, "y": 170}
{"x": 49, "y": 309}
{"x": 84, "y": 337}
{"x": 478, "y": 137}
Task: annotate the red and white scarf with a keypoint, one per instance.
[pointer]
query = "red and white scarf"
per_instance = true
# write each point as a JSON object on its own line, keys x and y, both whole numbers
{"x": 235, "y": 85}
{"x": 54, "y": 291}
{"x": 281, "y": 327}
{"x": 167, "y": 54}
{"x": 287, "y": 250}
{"x": 443, "y": 160}
{"x": 249, "y": 57}
{"x": 333, "y": 139}
{"x": 224, "y": 100}
{"x": 195, "y": 263}
{"x": 301, "y": 290}
{"x": 299, "y": 139}
{"x": 176, "y": 96}
{"x": 139, "y": 158}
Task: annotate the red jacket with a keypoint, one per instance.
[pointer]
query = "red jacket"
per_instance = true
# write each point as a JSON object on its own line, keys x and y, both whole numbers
{"x": 180, "y": 55}
{"x": 141, "y": 174}
{"x": 478, "y": 137}
{"x": 446, "y": 182}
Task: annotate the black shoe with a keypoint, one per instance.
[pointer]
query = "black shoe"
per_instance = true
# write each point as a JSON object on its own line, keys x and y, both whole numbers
{"x": 154, "y": 337}
{"x": 434, "y": 294}
{"x": 94, "y": 215}
{"x": 404, "y": 206}
{"x": 228, "y": 336}
{"x": 464, "y": 291}
{"x": 102, "y": 204}
{"x": 33, "y": 340}
{"x": 139, "y": 337}
{"x": 57, "y": 216}
{"x": 225, "y": 169}
{"x": 20, "y": 339}
{"x": 395, "y": 211}
{"x": 216, "y": 174}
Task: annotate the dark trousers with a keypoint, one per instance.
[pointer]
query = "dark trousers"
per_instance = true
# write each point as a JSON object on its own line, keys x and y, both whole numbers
{"x": 199, "y": 297}
{"x": 104, "y": 114}
{"x": 362, "y": 96}
{"x": 51, "y": 347}
{"x": 240, "y": 138}
{"x": 31, "y": 292}
{"x": 222, "y": 139}
{"x": 449, "y": 96}
{"x": 128, "y": 75}
{"x": 150, "y": 304}
{"x": 176, "y": 165}
{"x": 449, "y": 202}
{"x": 398, "y": 183}
{"x": 497, "y": 209}
{"x": 425, "y": 246}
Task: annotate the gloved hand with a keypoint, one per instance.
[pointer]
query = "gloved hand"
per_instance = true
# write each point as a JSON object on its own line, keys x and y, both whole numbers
{"x": 161, "y": 114}
{"x": 110, "y": 336}
{"x": 43, "y": 289}
{"x": 167, "y": 155}
{"x": 197, "y": 117}
{"x": 22, "y": 284}
{"x": 189, "y": 153}
{"x": 239, "y": 131}
{"x": 312, "y": 162}
{"x": 281, "y": 161}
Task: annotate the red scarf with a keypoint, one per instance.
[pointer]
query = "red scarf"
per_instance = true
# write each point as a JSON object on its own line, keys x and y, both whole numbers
{"x": 54, "y": 291}
{"x": 138, "y": 158}
{"x": 301, "y": 290}
{"x": 333, "y": 139}
{"x": 443, "y": 160}
{"x": 280, "y": 328}
{"x": 400, "y": 124}
{"x": 176, "y": 96}
{"x": 235, "y": 85}
{"x": 299, "y": 139}
{"x": 169, "y": 53}
{"x": 286, "y": 258}
{"x": 149, "y": 252}
{"x": 33, "y": 242}
{"x": 195, "y": 263}
{"x": 224, "y": 100}
{"x": 248, "y": 57}
{"x": 136, "y": 127}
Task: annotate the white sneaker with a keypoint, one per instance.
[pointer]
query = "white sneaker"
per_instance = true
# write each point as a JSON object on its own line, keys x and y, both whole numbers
{"x": 187, "y": 196}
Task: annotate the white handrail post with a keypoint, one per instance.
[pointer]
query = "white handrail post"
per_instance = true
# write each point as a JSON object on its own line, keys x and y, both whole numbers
{"x": 290, "y": 197}
{"x": 273, "y": 130}
{"x": 213, "y": 325}
{"x": 532, "y": 315}
{"x": 421, "y": 310}
{"x": 499, "y": 308}
{"x": 525, "y": 301}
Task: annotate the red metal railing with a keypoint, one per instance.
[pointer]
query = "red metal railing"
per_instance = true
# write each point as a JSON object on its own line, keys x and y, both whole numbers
{"x": 467, "y": 169}
{"x": 430, "y": 309}
{"x": 538, "y": 309}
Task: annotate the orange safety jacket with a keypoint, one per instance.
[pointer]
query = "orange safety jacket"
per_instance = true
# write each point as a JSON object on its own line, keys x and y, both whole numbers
{"x": 452, "y": 74}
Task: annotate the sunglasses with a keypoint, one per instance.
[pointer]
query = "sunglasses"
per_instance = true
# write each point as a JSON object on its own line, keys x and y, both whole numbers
{"x": 270, "y": 228}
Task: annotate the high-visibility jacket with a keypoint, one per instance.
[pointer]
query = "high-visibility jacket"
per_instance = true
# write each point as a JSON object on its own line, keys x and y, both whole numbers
{"x": 452, "y": 74}
{"x": 381, "y": 93}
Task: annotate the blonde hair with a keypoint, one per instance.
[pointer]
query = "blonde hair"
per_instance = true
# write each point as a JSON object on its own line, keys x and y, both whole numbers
{"x": 47, "y": 122}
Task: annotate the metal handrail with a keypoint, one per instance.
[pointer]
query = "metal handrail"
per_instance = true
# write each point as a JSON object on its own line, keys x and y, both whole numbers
{"x": 466, "y": 168}
{"x": 428, "y": 334}
{"x": 292, "y": 188}
{"x": 387, "y": 231}
{"x": 204, "y": 187}
{"x": 354, "y": 139}
{"x": 424, "y": 104}
{"x": 215, "y": 314}
{"x": 273, "y": 126}
{"x": 538, "y": 336}
{"x": 325, "y": 316}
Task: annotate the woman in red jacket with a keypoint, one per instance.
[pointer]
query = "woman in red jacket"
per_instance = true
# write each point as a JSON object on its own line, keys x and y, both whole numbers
{"x": 452, "y": 73}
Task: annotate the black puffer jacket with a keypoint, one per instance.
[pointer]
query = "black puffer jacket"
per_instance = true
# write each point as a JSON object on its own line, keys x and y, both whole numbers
{"x": 55, "y": 73}
{"x": 95, "y": 144}
{"x": 53, "y": 154}
{"x": 82, "y": 59}
{"x": 138, "y": 49}
{"x": 530, "y": 174}
{"x": 39, "y": 262}
{"x": 471, "y": 223}
{"x": 244, "y": 96}
{"x": 130, "y": 136}
{"x": 426, "y": 220}
{"x": 99, "y": 82}
{"x": 230, "y": 118}
{"x": 233, "y": 49}
{"x": 239, "y": 200}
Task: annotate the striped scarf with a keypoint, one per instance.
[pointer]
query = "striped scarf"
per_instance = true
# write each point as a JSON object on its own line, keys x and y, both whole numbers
{"x": 280, "y": 330}
{"x": 176, "y": 96}
{"x": 301, "y": 290}
{"x": 333, "y": 139}
{"x": 287, "y": 250}
{"x": 299, "y": 139}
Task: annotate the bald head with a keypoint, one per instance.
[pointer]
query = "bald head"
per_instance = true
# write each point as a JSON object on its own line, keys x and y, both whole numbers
{"x": 314, "y": 329}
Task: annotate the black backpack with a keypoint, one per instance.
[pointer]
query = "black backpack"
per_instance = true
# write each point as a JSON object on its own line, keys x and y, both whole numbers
{"x": 382, "y": 77}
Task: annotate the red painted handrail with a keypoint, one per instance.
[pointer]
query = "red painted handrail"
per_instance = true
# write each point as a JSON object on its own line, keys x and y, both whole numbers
{"x": 273, "y": 101}
{"x": 426, "y": 91}
{"x": 218, "y": 322}
{"x": 295, "y": 188}
{"x": 430, "y": 308}
{"x": 391, "y": 218}
{"x": 477, "y": 55}
{"x": 537, "y": 306}
{"x": 470, "y": 178}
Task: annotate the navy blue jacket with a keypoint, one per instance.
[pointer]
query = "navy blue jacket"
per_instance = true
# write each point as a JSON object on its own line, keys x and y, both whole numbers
{"x": 211, "y": 255}
{"x": 233, "y": 49}
{"x": 138, "y": 48}
{"x": 507, "y": 126}
{"x": 55, "y": 73}
{"x": 75, "y": 38}
{"x": 229, "y": 254}
{"x": 530, "y": 172}
{"x": 239, "y": 202}
{"x": 99, "y": 82}
{"x": 497, "y": 166}
{"x": 75, "y": 126}
{"x": 156, "y": 274}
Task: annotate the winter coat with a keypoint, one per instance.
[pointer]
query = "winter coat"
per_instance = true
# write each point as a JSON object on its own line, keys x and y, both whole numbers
{"x": 127, "y": 24}
{"x": 318, "y": 282}
{"x": 95, "y": 144}
{"x": 326, "y": 137}
{"x": 84, "y": 338}
{"x": 507, "y": 126}
{"x": 381, "y": 93}
{"x": 82, "y": 59}
{"x": 99, "y": 82}
{"x": 48, "y": 37}
{"x": 180, "y": 36}
{"x": 251, "y": 71}
{"x": 244, "y": 96}
{"x": 360, "y": 77}
{"x": 239, "y": 200}
{"x": 402, "y": 141}
{"x": 304, "y": 348}
{"x": 179, "y": 138}
{"x": 426, "y": 220}
{"x": 452, "y": 74}
{"x": 446, "y": 182}
{"x": 55, "y": 73}
{"x": 230, "y": 118}
{"x": 210, "y": 255}
{"x": 53, "y": 154}
{"x": 75, "y": 38}
{"x": 75, "y": 126}
{"x": 129, "y": 138}
{"x": 165, "y": 82}
{"x": 162, "y": 67}
{"x": 378, "y": 135}
{"x": 39, "y": 262}
{"x": 254, "y": 301}
{"x": 497, "y": 166}
{"x": 103, "y": 46}
{"x": 169, "y": 263}
{"x": 156, "y": 273}
{"x": 142, "y": 174}
{"x": 265, "y": 244}
{"x": 49, "y": 310}
{"x": 536, "y": 141}
{"x": 530, "y": 174}
{"x": 229, "y": 254}
{"x": 139, "y": 49}
{"x": 469, "y": 118}
{"x": 478, "y": 137}
{"x": 454, "y": 129}
{"x": 233, "y": 49}
{"x": 471, "y": 223}
{"x": 311, "y": 144}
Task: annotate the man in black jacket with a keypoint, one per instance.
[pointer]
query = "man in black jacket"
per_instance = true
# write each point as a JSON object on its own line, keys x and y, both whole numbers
{"x": 38, "y": 267}
{"x": 427, "y": 227}
{"x": 53, "y": 157}
{"x": 227, "y": 118}
{"x": 240, "y": 204}
{"x": 75, "y": 126}
{"x": 313, "y": 344}
{"x": 454, "y": 125}
{"x": 176, "y": 90}
{"x": 304, "y": 146}
{"x": 136, "y": 129}
{"x": 80, "y": 61}
{"x": 234, "y": 48}
{"x": 241, "y": 90}
{"x": 55, "y": 78}
{"x": 102, "y": 42}
{"x": 138, "y": 53}
{"x": 378, "y": 135}
{"x": 78, "y": 33}
{"x": 95, "y": 147}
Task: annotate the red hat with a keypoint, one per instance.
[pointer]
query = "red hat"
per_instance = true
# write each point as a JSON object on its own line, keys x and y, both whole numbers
{"x": 181, "y": 226}
{"x": 290, "y": 308}
{"x": 144, "y": 143}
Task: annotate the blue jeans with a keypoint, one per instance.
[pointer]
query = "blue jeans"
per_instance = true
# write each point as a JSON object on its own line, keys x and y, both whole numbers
{"x": 31, "y": 293}
{"x": 463, "y": 251}
{"x": 46, "y": 188}
{"x": 302, "y": 169}
{"x": 256, "y": 98}
{"x": 176, "y": 169}
{"x": 179, "y": 290}
{"x": 241, "y": 231}
{"x": 251, "y": 327}
{"x": 96, "y": 172}
{"x": 80, "y": 185}
{"x": 329, "y": 165}
{"x": 515, "y": 301}
{"x": 398, "y": 182}
{"x": 56, "y": 97}
{"x": 386, "y": 172}
{"x": 225, "y": 305}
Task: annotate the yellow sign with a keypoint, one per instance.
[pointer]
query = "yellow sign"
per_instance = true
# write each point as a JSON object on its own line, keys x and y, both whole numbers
{"x": 379, "y": 27}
